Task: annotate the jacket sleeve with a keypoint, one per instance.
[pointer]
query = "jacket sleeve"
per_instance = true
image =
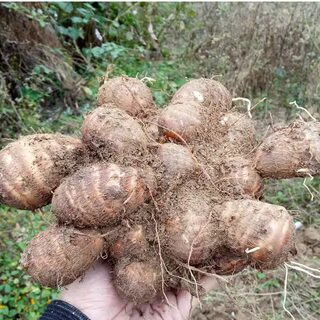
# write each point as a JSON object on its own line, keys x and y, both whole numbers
{"x": 60, "y": 310}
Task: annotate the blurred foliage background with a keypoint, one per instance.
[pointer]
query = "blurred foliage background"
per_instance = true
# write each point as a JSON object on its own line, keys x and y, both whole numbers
{"x": 53, "y": 56}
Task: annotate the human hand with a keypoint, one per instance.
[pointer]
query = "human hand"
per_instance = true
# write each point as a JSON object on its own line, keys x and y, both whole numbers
{"x": 95, "y": 296}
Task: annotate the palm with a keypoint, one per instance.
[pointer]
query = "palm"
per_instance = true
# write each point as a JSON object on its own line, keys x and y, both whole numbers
{"x": 95, "y": 296}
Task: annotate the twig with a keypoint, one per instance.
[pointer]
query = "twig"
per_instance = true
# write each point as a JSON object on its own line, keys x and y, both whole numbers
{"x": 130, "y": 196}
{"x": 260, "y": 101}
{"x": 304, "y": 269}
{"x": 305, "y": 185}
{"x": 252, "y": 250}
{"x": 260, "y": 294}
{"x": 298, "y": 267}
{"x": 193, "y": 277}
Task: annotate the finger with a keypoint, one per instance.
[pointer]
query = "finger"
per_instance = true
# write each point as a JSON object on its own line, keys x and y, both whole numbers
{"x": 94, "y": 293}
{"x": 167, "y": 307}
{"x": 185, "y": 303}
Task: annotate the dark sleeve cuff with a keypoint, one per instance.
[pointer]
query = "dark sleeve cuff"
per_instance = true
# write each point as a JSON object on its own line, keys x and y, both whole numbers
{"x": 61, "y": 310}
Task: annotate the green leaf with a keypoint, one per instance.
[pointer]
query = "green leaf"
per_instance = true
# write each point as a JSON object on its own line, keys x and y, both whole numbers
{"x": 112, "y": 31}
{"x": 12, "y": 6}
{"x": 261, "y": 275}
{"x": 87, "y": 91}
{"x": 84, "y": 12}
{"x": 77, "y": 20}
{"x": 39, "y": 69}
{"x": 97, "y": 52}
{"x": 129, "y": 36}
{"x": 4, "y": 310}
{"x": 31, "y": 94}
{"x": 12, "y": 313}
{"x": 42, "y": 23}
{"x": 116, "y": 24}
{"x": 160, "y": 98}
{"x": 73, "y": 33}
{"x": 7, "y": 289}
{"x": 65, "y": 6}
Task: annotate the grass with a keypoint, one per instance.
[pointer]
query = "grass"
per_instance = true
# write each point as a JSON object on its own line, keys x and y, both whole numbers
{"x": 258, "y": 295}
{"x": 293, "y": 195}
{"x": 19, "y": 297}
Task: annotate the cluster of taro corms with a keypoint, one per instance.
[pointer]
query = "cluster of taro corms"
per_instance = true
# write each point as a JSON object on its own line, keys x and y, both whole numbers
{"x": 162, "y": 194}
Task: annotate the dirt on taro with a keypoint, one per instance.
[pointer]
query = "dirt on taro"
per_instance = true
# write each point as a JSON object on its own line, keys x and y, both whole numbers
{"x": 260, "y": 295}
{"x": 53, "y": 59}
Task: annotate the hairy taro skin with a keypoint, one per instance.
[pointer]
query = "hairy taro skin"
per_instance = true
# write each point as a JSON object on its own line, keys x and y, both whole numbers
{"x": 129, "y": 94}
{"x": 207, "y": 92}
{"x": 100, "y": 194}
{"x": 190, "y": 109}
{"x": 266, "y": 229}
{"x": 242, "y": 177}
{"x": 113, "y": 131}
{"x": 177, "y": 160}
{"x": 180, "y": 121}
{"x": 240, "y": 134}
{"x": 191, "y": 232}
{"x": 138, "y": 281}
{"x": 58, "y": 256}
{"x": 131, "y": 242}
{"x": 290, "y": 152}
{"x": 33, "y": 166}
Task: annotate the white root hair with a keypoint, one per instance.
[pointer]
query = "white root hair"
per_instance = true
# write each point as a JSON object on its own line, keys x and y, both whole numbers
{"x": 148, "y": 79}
{"x": 294, "y": 103}
{"x": 248, "y": 101}
{"x": 247, "y": 251}
{"x": 307, "y": 172}
{"x": 315, "y": 273}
